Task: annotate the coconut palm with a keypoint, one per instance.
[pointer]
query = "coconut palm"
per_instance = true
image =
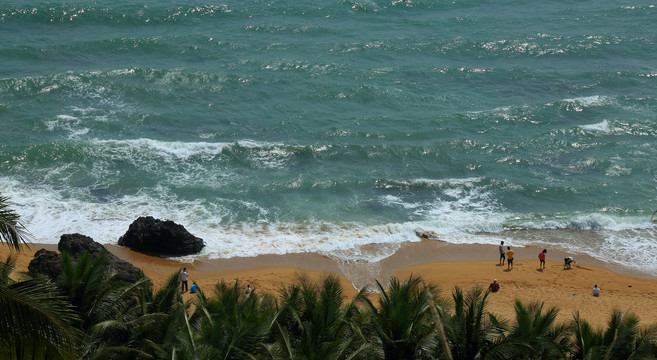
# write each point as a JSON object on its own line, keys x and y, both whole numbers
{"x": 6, "y": 269}
{"x": 12, "y": 231}
{"x": 231, "y": 325}
{"x": 313, "y": 322}
{"x": 622, "y": 339}
{"x": 402, "y": 323}
{"x": 112, "y": 317}
{"x": 470, "y": 333}
{"x": 35, "y": 322}
{"x": 173, "y": 334}
{"x": 535, "y": 334}
{"x": 129, "y": 330}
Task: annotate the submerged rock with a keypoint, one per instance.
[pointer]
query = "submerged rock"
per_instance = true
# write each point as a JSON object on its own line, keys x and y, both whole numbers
{"x": 154, "y": 236}
{"x": 426, "y": 234}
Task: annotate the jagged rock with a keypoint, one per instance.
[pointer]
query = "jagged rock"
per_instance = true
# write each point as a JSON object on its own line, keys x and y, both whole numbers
{"x": 76, "y": 244}
{"x": 46, "y": 262}
{"x": 154, "y": 236}
{"x": 49, "y": 262}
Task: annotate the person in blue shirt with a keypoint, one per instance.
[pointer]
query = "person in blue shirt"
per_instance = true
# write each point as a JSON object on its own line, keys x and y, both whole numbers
{"x": 193, "y": 289}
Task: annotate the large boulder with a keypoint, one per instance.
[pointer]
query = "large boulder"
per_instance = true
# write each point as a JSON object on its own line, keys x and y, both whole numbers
{"x": 49, "y": 262}
{"x": 154, "y": 236}
{"x": 46, "y": 262}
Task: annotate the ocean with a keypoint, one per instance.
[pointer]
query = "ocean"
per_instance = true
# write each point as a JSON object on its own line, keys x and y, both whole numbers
{"x": 336, "y": 127}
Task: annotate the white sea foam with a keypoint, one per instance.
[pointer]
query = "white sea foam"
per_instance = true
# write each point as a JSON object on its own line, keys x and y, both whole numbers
{"x": 468, "y": 214}
{"x": 588, "y": 100}
{"x": 602, "y": 126}
{"x": 67, "y": 123}
{"x": 183, "y": 150}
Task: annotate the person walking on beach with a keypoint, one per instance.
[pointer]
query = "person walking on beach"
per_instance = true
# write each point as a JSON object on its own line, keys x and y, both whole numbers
{"x": 502, "y": 256}
{"x": 509, "y": 258}
{"x": 183, "y": 279}
{"x": 596, "y": 290}
{"x": 541, "y": 259}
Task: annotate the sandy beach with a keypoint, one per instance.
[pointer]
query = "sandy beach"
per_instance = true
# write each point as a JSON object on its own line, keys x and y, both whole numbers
{"x": 445, "y": 265}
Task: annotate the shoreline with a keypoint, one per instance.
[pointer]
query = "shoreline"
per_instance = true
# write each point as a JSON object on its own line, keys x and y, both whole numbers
{"x": 443, "y": 264}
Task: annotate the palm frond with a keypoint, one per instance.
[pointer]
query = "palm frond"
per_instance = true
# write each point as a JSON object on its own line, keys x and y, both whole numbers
{"x": 34, "y": 315}
{"x": 12, "y": 232}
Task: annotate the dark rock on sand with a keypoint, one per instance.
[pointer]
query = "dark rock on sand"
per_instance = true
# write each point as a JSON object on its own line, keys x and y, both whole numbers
{"x": 49, "y": 262}
{"x": 154, "y": 236}
{"x": 46, "y": 262}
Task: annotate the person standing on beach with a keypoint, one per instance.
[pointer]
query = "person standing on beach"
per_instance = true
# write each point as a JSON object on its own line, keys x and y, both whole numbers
{"x": 183, "y": 279}
{"x": 541, "y": 259}
{"x": 509, "y": 258}
{"x": 502, "y": 257}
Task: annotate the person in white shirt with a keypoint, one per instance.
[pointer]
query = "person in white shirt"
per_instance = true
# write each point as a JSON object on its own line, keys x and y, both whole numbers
{"x": 596, "y": 290}
{"x": 183, "y": 279}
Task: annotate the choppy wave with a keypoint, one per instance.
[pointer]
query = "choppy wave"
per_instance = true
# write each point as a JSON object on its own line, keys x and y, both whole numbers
{"x": 602, "y": 126}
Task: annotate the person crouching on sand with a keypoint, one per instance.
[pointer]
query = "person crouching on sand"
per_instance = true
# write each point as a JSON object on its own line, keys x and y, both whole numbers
{"x": 596, "y": 290}
{"x": 567, "y": 262}
{"x": 494, "y": 286}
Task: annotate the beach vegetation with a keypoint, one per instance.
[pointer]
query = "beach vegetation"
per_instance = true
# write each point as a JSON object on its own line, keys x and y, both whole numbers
{"x": 35, "y": 321}
{"x": 12, "y": 231}
{"x": 312, "y": 321}
{"x": 401, "y": 322}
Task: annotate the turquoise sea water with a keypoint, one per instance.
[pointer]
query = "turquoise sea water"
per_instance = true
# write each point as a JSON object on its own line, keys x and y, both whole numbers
{"x": 339, "y": 127}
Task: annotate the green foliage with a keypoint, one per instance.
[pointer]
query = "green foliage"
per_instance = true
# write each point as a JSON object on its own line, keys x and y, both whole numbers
{"x": 12, "y": 231}
{"x": 231, "y": 325}
{"x": 313, "y": 322}
{"x": 402, "y": 322}
{"x": 535, "y": 334}
{"x": 622, "y": 339}
{"x": 470, "y": 332}
{"x": 35, "y": 322}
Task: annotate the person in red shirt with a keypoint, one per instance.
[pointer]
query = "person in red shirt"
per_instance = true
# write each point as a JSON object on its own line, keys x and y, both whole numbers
{"x": 541, "y": 259}
{"x": 494, "y": 286}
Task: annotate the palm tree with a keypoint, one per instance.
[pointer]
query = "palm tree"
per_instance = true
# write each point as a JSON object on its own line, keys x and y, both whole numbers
{"x": 535, "y": 335}
{"x": 622, "y": 339}
{"x": 470, "y": 334}
{"x": 402, "y": 323}
{"x": 174, "y": 333}
{"x": 35, "y": 322}
{"x": 231, "y": 325}
{"x": 313, "y": 322}
{"x": 12, "y": 231}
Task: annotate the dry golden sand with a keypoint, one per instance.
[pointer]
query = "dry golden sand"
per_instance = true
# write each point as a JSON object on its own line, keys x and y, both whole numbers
{"x": 444, "y": 265}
